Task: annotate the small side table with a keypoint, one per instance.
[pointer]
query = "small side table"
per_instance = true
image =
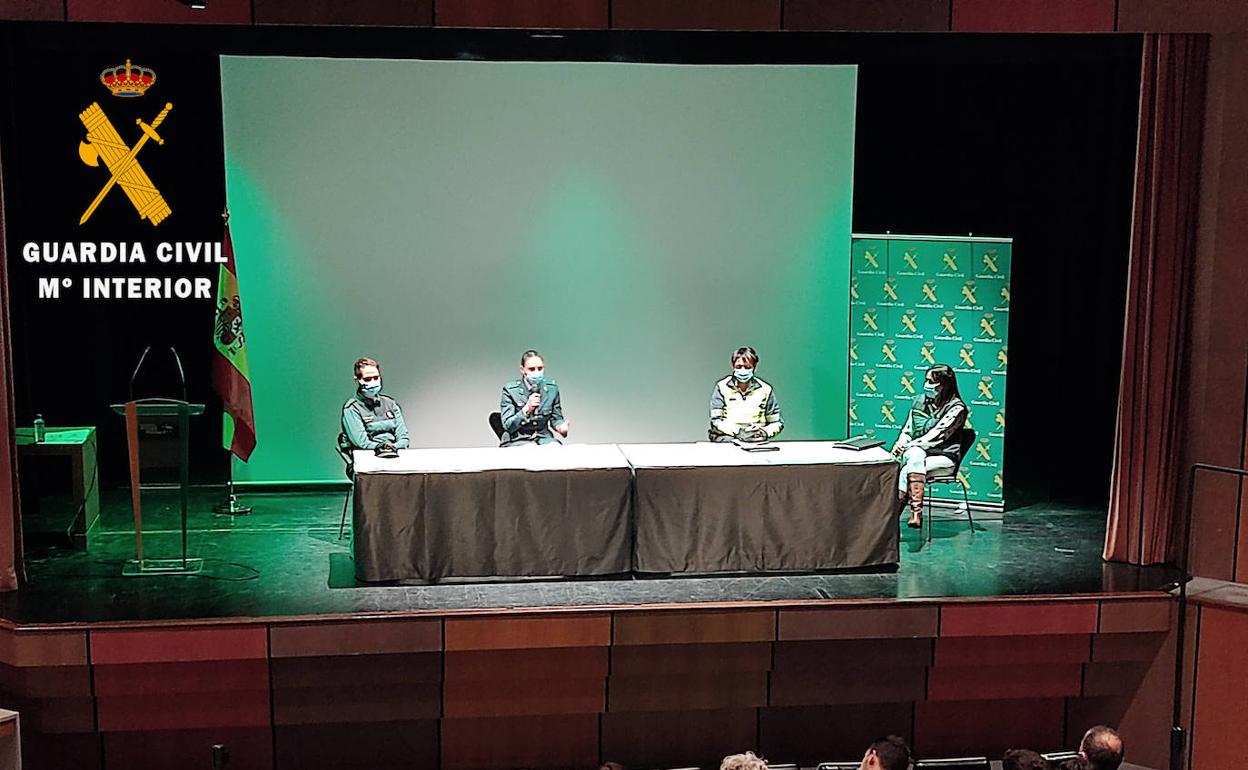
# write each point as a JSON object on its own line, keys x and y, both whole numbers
{"x": 79, "y": 445}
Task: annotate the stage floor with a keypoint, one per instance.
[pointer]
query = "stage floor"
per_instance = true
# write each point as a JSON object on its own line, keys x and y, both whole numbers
{"x": 285, "y": 559}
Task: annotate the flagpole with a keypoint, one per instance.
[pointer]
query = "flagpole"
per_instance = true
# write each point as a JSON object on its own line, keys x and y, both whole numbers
{"x": 230, "y": 506}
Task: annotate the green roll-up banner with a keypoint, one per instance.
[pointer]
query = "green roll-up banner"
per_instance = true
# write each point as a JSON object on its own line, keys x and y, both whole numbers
{"x": 920, "y": 300}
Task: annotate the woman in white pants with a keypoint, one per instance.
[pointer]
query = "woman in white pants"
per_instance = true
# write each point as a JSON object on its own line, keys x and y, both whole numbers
{"x": 929, "y": 437}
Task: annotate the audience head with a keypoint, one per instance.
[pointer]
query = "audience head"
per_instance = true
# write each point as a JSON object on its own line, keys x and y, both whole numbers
{"x": 611, "y": 766}
{"x": 1101, "y": 748}
{"x": 746, "y": 761}
{"x": 887, "y": 753}
{"x": 1071, "y": 764}
{"x": 1023, "y": 759}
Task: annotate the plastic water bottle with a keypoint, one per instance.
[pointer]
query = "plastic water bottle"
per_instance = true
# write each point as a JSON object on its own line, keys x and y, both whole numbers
{"x": 41, "y": 430}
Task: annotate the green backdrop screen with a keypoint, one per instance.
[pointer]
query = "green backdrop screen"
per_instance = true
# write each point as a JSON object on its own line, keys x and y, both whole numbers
{"x": 634, "y": 223}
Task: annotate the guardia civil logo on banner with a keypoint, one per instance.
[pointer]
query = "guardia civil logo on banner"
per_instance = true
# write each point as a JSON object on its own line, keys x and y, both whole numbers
{"x": 918, "y": 301}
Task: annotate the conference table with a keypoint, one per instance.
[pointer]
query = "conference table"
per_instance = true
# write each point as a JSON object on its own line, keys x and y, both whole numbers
{"x": 579, "y": 510}
{"x": 805, "y": 505}
{"x": 522, "y": 511}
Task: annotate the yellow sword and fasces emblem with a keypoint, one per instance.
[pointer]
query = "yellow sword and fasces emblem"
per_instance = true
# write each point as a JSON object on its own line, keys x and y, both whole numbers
{"x": 968, "y": 293}
{"x": 985, "y": 389}
{"x": 946, "y": 323}
{"x": 888, "y": 351}
{"x": 868, "y": 381}
{"x": 887, "y": 411}
{"x": 908, "y": 322}
{"x": 1000, "y": 420}
{"x": 907, "y": 384}
{"x": 951, "y": 261}
{"x": 981, "y": 449}
{"x": 853, "y": 410}
{"x": 853, "y": 351}
{"x": 997, "y": 481}
{"x": 890, "y": 291}
{"x": 968, "y": 357}
{"x": 965, "y": 481}
{"x": 1005, "y": 294}
{"x": 853, "y": 289}
{"x": 990, "y": 261}
{"x": 908, "y": 256}
{"x": 868, "y": 318}
{"x": 926, "y": 352}
{"x": 103, "y": 141}
{"x": 870, "y": 256}
{"x": 929, "y": 293}
{"x": 988, "y": 326}
{"x": 1002, "y": 357}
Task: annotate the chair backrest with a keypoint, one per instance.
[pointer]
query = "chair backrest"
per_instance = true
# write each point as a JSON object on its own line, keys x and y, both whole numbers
{"x": 1060, "y": 756}
{"x": 789, "y": 766}
{"x": 966, "y": 440}
{"x": 839, "y": 765}
{"x": 953, "y": 763}
{"x": 345, "y": 447}
{"x": 496, "y": 423}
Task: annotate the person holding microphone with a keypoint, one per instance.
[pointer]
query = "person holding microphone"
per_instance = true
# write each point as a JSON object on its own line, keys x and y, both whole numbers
{"x": 530, "y": 408}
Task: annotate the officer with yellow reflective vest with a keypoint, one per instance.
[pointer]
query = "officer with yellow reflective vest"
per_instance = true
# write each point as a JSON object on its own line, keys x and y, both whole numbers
{"x": 743, "y": 407}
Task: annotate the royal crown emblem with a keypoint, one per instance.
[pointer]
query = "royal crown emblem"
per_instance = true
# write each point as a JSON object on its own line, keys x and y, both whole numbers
{"x": 127, "y": 79}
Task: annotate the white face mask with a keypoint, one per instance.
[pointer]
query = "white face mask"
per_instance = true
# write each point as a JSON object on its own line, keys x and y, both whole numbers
{"x": 743, "y": 374}
{"x": 929, "y": 389}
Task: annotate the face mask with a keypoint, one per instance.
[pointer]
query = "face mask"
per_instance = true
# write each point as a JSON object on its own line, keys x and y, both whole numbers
{"x": 371, "y": 390}
{"x": 743, "y": 375}
{"x": 535, "y": 378}
{"x": 929, "y": 390}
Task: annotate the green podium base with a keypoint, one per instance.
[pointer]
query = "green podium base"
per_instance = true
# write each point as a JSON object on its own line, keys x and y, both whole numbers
{"x": 136, "y": 568}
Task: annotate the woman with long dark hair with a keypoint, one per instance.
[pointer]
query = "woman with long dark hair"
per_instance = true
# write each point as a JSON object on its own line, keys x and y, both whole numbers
{"x": 929, "y": 439}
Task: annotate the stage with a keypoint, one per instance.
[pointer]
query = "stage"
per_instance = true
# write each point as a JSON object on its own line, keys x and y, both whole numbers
{"x": 285, "y": 559}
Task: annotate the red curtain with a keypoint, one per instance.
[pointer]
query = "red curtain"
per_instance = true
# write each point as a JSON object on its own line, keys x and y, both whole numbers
{"x": 10, "y": 510}
{"x": 1146, "y": 472}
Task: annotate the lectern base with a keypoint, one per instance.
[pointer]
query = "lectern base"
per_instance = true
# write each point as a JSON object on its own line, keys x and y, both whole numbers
{"x": 136, "y": 568}
{"x": 231, "y": 507}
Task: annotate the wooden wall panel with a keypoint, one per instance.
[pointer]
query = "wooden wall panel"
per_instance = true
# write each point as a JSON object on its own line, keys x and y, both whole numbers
{"x": 531, "y": 14}
{"x": 160, "y": 11}
{"x": 821, "y": 658}
{"x": 668, "y": 739}
{"x": 686, "y": 659}
{"x": 1020, "y": 650}
{"x": 813, "y": 734}
{"x": 883, "y": 15}
{"x": 694, "y": 627}
{"x": 696, "y": 14}
{"x": 250, "y": 749}
{"x": 1221, "y": 698}
{"x": 392, "y": 13}
{"x": 358, "y": 638}
{"x": 508, "y": 633}
{"x": 179, "y": 645}
{"x": 1138, "y": 615}
{"x": 357, "y": 688}
{"x": 81, "y": 751}
{"x": 532, "y": 742}
{"x": 848, "y": 682}
{"x": 376, "y": 746}
{"x": 688, "y": 692}
{"x": 1033, "y": 15}
{"x": 1018, "y": 618}
{"x": 989, "y": 682}
{"x": 1181, "y": 15}
{"x": 25, "y": 648}
{"x": 33, "y": 10}
{"x": 523, "y": 697}
{"x": 992, "y": 727}
{"x": 182, "y": 696}
{"x": 899, "y": 621}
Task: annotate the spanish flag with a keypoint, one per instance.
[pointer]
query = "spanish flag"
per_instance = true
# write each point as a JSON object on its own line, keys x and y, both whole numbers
{"x": 231, "y": 377}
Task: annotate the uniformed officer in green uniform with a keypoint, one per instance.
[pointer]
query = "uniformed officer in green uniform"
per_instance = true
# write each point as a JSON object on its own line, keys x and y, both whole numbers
{"x": 371, "y": 419}
{"x": 529, "y": 407}
{"x": 743, "y": 407}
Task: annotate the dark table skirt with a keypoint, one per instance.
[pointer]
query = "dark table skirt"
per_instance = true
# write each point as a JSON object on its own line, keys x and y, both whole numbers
{"x": 766, "y": 518}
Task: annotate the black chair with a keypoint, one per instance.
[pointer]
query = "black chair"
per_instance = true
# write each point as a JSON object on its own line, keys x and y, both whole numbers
{"x": 496, "y": 424}
{"x": 839, "y": 765}
{"x": 953, "y": 763}
{"x": 1056, "y": 757}
{"x": 966, "y": 440}
{"x": 345, "y": 448}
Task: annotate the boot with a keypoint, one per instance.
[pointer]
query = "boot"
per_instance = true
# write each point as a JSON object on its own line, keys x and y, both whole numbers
{"x": 917, "y": 483}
